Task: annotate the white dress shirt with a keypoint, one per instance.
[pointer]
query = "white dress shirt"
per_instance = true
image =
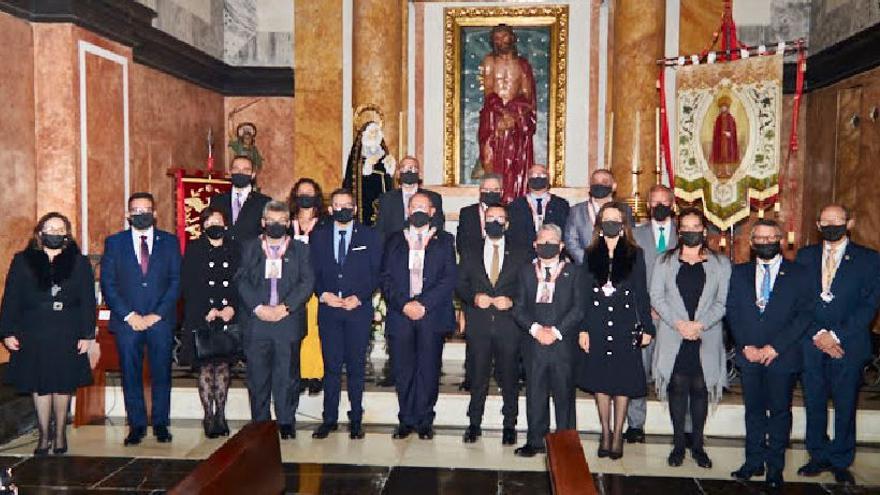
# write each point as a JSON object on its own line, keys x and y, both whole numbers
{"x": 775, "y": 263}
{"x": 241, "y": 193}
{"x": 533, "y": 330}
{"x": 489, "y": 251}
{"x": 136, "y": 240}
{"x": 407, "y": 192}
{"x": 667, "y": 228}
{"x": 545, "y": 201}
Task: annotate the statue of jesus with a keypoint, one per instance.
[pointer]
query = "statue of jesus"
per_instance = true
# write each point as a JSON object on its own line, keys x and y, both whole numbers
{"x": 508, "y": 118}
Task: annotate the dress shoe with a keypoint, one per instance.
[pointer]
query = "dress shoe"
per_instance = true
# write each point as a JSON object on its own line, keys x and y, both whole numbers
{"x": 315, "y": 386}
{"x": 471, "y": 434}
{"x": 745, "y": 472}
{"x": 602, "y": 452}
{"x": 774, "y": 481}
{"x": 324, "y": 430}
{"x": 209, "y": 424}
{"x": 402, "y": 431}
{"x": 615, "y": 454}
{"x": 676, "y": 457}
{"x": 426, "y": 432}
{"x": 702, "y": 459}
{"x": 813, "y": 468}
{"x": 162, "y": 434}
{"x": 355, "y": 430}
{"x": 386, "y": 381}
{"x": 529, "y": 451}
{"x": 634, "y": 435}
{"x": 222, "y": 426}
{"x": 464, "y": 386}
{"x": 287, "y": 432}
{"x": 843, "y": 476}
{"x": 135, "y": 435}
{"x": 508, "y": 436}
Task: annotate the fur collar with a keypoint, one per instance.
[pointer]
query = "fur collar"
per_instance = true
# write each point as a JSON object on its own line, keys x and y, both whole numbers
{"x": 599, "y": 262}
{"x": 56, "y": 272}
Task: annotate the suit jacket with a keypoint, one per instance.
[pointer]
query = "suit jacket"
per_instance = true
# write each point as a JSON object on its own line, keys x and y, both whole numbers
{"x": 644, "y": 235}
{"x": 784, "y": 321}
{"x": 565, "y": 312}
{"x": 856, "y": 289}
{"x": 472, "y": 280}
{"x": 522, "y": 224}
{"x": 359, "y": 275}
{"x": 438, "y": 282}
{"x": 470, "y": 228}
{"x": 294, "y": 287}
{"x": 247, "y": 225}
{"x": 391, "y": 218}
{"x": 125, "y": 288}
{"x": 578, "y": 230}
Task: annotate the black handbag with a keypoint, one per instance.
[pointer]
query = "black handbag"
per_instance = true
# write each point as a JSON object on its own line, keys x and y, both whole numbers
{"x": 218, "y": 340}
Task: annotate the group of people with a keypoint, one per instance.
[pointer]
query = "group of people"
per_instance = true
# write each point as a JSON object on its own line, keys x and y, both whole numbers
{"x": 577, "y": 297}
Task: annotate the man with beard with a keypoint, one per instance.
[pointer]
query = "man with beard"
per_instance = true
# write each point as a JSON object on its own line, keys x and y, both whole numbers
{"x": 370, "y": 171}
{"x": 508, "y": 119}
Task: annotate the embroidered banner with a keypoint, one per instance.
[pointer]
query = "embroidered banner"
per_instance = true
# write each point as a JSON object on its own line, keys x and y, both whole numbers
{"x": 729, "y": 118}
{"x": 194, "y": 195}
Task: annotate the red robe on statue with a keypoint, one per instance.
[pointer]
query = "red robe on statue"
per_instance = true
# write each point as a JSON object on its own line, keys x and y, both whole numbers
{"x": 510, "y": 152}
{"x": 725, "y": 149}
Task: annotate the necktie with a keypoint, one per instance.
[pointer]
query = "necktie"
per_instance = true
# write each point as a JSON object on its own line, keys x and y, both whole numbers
{"x": 415, "y": 274}
{"x": 273, "y": 282}
{"x": 495, "y": 269}
{"x": 145, "y": 255}
{"x": 830, "y": 269}
{"x": 538, "y": 207}
{"x": 236, "y": 207}
{"x": 765, "y": 285}
{"x": 341, "y": 251}
{"x": 661, "y": 241}
{"x": 406, "y": 197}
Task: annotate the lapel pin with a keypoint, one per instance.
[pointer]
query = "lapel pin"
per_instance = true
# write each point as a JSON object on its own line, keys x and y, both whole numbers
{"x": 782, "y": 273}
{"x": 846, "y": 257}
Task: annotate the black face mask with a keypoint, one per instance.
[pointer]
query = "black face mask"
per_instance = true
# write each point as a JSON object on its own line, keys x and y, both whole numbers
{"x": 409, "y": 177}
{"x": 538, "y": 183}
{"x": 490, "y": 198}
{"x": 306, "y": 201}
{"x": 53, "y": 241}
{"x": 691, "y": 239}
{"x": 343, "y": 215}
{"x": 547, "y": 251}
{"x": 495, "y": 229}
{"x": 611, "y": 228}
{"x": 419, "y": 219}
{"x": 241, "y": 181}
{"x": 142, "y": 221}
{"x": 833, "y": 233}
{"x": 215, "y": 232}
{"x": 276, "y": 230}
{"x": 661, "y": 212}
{"x": 767, "y": 251}
{"x": 600, "y": 191}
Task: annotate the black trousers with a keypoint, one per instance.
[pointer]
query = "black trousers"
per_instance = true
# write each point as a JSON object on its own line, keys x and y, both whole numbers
{"x": 273, "y": 373}
{"x": 548, "y": 374}
{"x": 495, "y": 343}
{"x": 688, "y": 393}
{"x": 767, "y": 400}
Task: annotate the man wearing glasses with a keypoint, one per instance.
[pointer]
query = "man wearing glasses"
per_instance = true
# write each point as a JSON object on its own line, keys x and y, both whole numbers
{"x": 769, "y": 310}
{"x": 140, "y": 280}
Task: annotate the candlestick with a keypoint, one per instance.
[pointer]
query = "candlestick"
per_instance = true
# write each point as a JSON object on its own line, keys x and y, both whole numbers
{"x": 761, "y": 213}
{"x": 657, "y": 143}
{"x": 791, "y": 237}
{"x": 610, "y": 140}
{"x": 777, "y": 207}
{"x": 635, "y": 155}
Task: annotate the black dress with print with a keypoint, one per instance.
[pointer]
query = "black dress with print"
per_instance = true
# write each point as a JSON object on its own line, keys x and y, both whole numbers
{"x": 207, "y": 282}
{"x": 614, "y": 364}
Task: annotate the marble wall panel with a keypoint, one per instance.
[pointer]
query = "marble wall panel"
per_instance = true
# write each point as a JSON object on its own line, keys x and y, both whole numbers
{"x": 196, "y": 22}
{"x": 258, "y": 33}
{"x": 833, "y": 21}
{"x": 274, "y": 118}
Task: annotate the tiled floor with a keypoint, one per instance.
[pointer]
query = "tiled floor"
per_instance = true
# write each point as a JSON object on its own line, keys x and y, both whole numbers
{"x": 99, "y": 463}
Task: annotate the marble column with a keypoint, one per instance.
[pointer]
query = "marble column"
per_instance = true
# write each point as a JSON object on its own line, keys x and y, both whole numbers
{"x": 378, "y": 63}
{"x": 637, "y": 42}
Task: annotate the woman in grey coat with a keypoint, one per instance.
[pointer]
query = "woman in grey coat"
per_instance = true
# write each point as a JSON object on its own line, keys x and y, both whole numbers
{"x": 689, "y": 292}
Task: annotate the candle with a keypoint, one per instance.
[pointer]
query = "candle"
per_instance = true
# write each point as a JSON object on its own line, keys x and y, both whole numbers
{"x": 761, "y": 213}
{"x": 610, "y": 140}
{"x": 791, "y": 237}
{"x": 635, "y": 155}
{"x": 777, "y": 207}
{"x": 722, "y": 242}
{"x": 657, "y": 142}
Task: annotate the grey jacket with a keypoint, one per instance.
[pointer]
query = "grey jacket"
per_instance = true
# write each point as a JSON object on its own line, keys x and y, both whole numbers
{"x": 644, "y": 236}
{"x": 667, "y": 302}
{"x": 578, "y": 231}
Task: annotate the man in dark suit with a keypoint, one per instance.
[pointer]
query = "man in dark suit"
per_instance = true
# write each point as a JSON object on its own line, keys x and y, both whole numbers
{"x": 845, "y": 293}
{"x": 243, "y": 206}
{"x": 471, "y": 218}
{"x": 547, "y": 307}
{"x": 768, "y": 309}
{"x": 347, "y": 257}
{"x": 488, "y": 275}
{"x": 654, "y": 237}
{"x": 275, "y": 281}
{"x": 418, "y": 279}
{"x": 539, "y": 207}
{"x": 392, "y": 214}
{"x": 579, "y": 227}
{"x": 140, "y": 280}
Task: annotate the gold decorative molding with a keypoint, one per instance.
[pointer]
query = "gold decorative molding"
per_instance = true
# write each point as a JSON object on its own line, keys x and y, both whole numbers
{"x": 556, "y": 17}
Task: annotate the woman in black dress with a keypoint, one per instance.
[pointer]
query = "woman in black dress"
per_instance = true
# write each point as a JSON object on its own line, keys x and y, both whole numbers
{"x": 307, "y": 213}
{"x": 617, "y": 323}
{"x": 47, "y": 320}
{"x": 210, "y": 298}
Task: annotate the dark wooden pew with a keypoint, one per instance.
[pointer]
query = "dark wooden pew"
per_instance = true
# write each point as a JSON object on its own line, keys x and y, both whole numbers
{"x": 569, "y": 472}
{"x": 249, "y": 462}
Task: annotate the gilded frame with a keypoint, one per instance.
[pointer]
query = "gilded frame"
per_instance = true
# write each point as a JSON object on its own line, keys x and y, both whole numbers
{"x": 556, "y": 17}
